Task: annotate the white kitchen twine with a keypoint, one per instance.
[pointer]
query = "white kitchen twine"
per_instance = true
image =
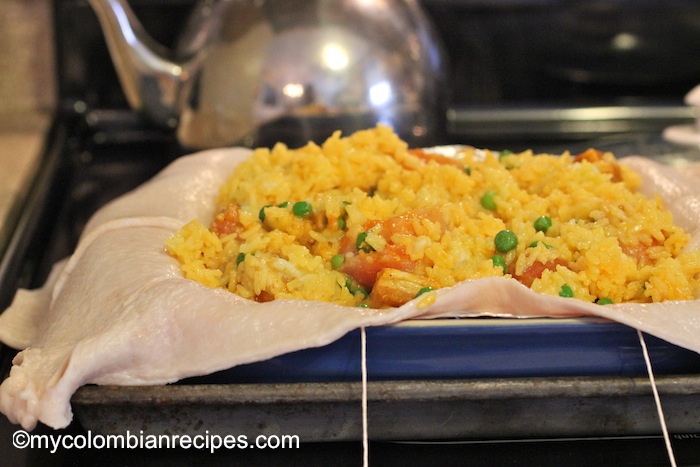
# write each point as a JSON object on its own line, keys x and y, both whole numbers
{"x": 657, "y": 399}
{"x": 365, "y": 436}
{"x": 647, "y": 361}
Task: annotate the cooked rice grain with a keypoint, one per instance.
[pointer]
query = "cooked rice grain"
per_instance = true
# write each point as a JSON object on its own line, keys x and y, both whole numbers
{"x": 387, "y": 221}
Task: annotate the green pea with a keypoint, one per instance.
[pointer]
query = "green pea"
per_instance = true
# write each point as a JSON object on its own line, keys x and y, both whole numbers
{"x": 543, "y": 223}
{"x": 505, "y": 241}
{"x": 302, "y": 208}
{"x": 363, "y": 305}
{"x": 566, "y": 291}
{"x": 240, "y": 258}
{"x": 354, "y": 287}
{"x": 499, "y": 262}
{"x": 261, "y": 214}
{"x": 361, "y": 243}
{"x": 424, "y": 290}
{"x": 342, "y": 222}
{"x": 488, "y": 200}
{"x": 467, "y": 170}
{"x": 337, "y": 261}
{"x": 604, "y": 301}
{"x": 507, "y": 161}
{"x": 283, "y": 205}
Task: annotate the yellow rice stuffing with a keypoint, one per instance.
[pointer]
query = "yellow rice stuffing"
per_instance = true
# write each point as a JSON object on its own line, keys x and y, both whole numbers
{"x": 364, "y": 220}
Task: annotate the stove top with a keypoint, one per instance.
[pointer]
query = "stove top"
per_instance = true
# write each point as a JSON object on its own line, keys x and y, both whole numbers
{"x": 516, "y": 82}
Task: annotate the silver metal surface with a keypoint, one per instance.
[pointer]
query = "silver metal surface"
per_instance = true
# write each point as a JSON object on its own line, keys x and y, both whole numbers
{"x": 242, "y": 64}
{"x": 400, "y": 410}
{"x": 563, "y": 123}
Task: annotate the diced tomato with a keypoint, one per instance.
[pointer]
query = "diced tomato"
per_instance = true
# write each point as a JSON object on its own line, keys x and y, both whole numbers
{"x": 403, "y": 224}
{"x": 535, "y": 271}
{"x": 347, "y": 244}
{"x": 264, "y": 297}
{"x": 590, "y": 155}
{"x": 398, "y": 225}
{"x": 595, "y": 156}
{"x": 440, "y": 159}
{"x": 364, "y": 267}
{"x": 227, "y": 221}
{"x": 640, "y": 252}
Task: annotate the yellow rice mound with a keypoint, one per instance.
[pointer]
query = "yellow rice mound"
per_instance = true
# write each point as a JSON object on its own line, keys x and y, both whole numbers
{"x": 364, "y": 220}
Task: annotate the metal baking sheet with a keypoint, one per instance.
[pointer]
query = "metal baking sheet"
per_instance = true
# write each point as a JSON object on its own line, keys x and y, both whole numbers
{"x": 442, "y": 379}
{"x": 502, "y": 408}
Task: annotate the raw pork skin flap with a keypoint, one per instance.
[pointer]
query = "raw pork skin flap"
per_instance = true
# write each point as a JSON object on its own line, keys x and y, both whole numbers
{"x": 119, "y": 311}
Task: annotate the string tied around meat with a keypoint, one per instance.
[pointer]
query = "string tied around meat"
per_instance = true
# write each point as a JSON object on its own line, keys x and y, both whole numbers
{"x": 647, "y": 361}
